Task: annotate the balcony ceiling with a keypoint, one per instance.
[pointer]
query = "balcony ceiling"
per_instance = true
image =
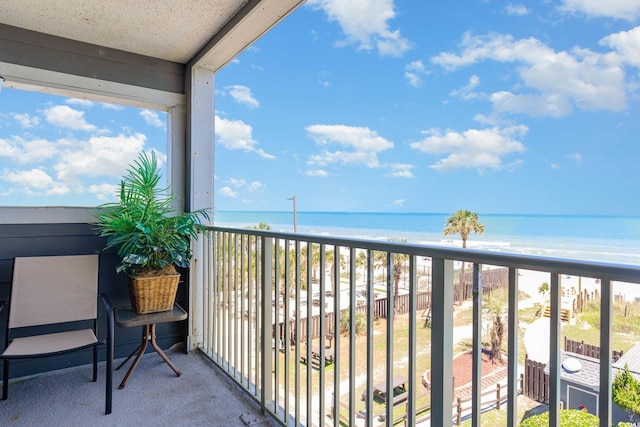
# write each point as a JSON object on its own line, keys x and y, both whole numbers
{"x": 210, "y": 31}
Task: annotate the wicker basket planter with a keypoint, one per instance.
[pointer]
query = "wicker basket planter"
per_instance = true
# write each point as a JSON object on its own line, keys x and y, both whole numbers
{"x": 153, "y": 294}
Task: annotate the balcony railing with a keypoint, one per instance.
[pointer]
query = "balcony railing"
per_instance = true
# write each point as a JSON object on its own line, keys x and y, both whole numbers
{"x": 307, "y": 324}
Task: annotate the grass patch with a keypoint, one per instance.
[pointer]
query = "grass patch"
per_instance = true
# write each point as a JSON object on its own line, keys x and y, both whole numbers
{"x": 626, "y": 325}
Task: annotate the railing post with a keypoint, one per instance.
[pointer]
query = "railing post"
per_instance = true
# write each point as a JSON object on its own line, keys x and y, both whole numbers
{"x": 267, "y": 321}
{"x": 512, "y": 349}
{"x": 498, "y": 397}
{"x": 606, "y": 313}
{"x": 458, "y": 412}
{"x": 410, "y": 407}
{"x": 554, "y": 351}
{"x": 442, "y": 342}
{"x": 391, "y": 304}
{"x": 476, "y": 385}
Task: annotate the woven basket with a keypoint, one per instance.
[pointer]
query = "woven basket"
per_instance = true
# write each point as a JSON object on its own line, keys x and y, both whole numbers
{"x": 153, "y": 294}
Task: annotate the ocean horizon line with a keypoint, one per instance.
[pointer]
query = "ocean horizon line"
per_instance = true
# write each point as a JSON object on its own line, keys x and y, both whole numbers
{"x": 587, "y": 237}
{"x": 586, "y": 215}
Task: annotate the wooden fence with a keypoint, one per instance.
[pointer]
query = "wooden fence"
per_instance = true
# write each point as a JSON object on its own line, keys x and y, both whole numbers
{"x": 461, "y": 406}
{"x": 534, "y": 381}
{"x": 491, "y": 280}
{"x": 579, "y": 347}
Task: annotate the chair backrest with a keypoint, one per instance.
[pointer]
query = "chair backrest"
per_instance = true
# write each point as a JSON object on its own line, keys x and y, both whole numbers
{"x": 53, "y": 289}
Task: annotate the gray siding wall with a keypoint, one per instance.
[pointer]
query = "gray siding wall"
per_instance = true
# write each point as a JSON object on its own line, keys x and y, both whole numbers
{"x": 76, "y": 239}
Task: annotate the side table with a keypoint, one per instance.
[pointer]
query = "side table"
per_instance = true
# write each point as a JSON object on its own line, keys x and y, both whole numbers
{"x": 126, "y": 317}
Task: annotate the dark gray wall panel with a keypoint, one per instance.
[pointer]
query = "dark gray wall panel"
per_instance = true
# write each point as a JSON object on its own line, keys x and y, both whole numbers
{"x": 76, "y": 239}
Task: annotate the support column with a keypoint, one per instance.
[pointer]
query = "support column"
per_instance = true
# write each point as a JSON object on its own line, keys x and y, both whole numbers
{"x": 199, "y": 176}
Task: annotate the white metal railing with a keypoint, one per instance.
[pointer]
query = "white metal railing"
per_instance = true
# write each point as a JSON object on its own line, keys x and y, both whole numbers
{"x": 272, "y": 300}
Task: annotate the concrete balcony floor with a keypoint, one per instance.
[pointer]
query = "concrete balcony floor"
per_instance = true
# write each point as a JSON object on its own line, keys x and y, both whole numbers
{"x": 153, "y": 396}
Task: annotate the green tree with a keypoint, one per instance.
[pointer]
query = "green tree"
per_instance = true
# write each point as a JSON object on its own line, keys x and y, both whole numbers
{"x": 497, "y": 310}
{"x": 464, "y": 223}
{"x": 260, "y": 226}
{"x": 626, "y": 392}
{"x": 398, "y": 260}
{"x": 543, "y": 288}
{"x": 330, "y": 259}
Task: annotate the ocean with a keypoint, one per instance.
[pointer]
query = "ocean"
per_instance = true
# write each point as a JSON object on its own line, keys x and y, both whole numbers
{"x": 613, "y": 239}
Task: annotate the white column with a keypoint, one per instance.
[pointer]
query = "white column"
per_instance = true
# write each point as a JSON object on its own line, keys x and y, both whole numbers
{"x": 200, "y": 149}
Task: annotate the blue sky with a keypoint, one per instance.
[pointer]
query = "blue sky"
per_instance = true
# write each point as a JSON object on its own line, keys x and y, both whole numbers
{"x": 377, "y": 105}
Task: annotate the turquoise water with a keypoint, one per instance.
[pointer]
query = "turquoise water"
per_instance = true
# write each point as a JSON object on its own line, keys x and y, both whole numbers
{"x": 595, "y": 238}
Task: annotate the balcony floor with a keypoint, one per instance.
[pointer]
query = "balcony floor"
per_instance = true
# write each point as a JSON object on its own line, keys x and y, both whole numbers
{"x": 201, "y": 396}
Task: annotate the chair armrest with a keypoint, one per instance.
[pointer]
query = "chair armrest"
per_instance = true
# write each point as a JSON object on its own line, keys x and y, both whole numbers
{"x": 109, "y": 311}
{"x": 110, "y": 344}
{"x": 110, "y": 324}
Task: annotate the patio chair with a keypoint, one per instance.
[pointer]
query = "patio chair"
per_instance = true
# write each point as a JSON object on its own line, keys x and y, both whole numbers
{"x": 59, "y": 295}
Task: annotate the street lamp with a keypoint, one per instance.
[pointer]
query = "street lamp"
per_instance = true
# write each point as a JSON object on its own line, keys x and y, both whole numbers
{"x": 295, "y": 226}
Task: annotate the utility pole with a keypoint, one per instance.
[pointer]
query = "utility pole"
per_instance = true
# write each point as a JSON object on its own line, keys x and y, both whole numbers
{"x": 295, "y": 224}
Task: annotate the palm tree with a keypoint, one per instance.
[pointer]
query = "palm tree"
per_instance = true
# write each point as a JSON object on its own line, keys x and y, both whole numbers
{"x": 464, "y": 223}
{"x": 497, "y": 310}
{"x": 398, "y": 263}
{"x": 260, "y": 226}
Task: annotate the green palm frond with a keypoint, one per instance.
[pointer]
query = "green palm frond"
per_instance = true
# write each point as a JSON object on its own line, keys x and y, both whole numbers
{"x": 143, "y": 225}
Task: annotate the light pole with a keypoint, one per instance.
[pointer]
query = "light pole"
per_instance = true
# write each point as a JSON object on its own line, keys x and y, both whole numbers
{"x": 295, "y": 226}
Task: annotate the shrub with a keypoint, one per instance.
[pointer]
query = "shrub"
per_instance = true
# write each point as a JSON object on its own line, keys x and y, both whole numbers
{"x": 360, "y": 324}
{"x": 626, "y": 391}
{"x": 568, "y": 418}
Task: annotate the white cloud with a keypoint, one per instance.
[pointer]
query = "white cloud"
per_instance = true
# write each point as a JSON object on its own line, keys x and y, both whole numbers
{"x": 227, "y": 192}
{"x": 66, "y": 117}
{"x": 560, "y": 80}
{"x": 237, "y": 135}
{"x": 576, "y": 157}
{"x": 466, "y": 92}
{"x": 104, "y": 191}
{"x": 25, "y": 151}
{"x": 255, "y": 186}
{"x": 34, "y": 182}
{"x": 398, "y": 203}
{"x": 399, "y": 170}
{"x": 236, "y": 182}
{"x": 80, "y": 102}
{"x": 414, "y": 71}
{"x": 99, "y": 156}
{"x": 151, "y": 118}
{"x": 473, "y": 148}
{"x": 627, "y": 45}
{"x": 365, "y": 23}
{"x": 114, "y": 107}
{"x": 361, "y": 144}
{"x": 26, "y": 120}
{"x": 535, "y": 105}
{"x": 620, "y": 9}
{"x": 316, "y": 172}
{"x": 242, "y": 95}
{"x": 516, "y": 9}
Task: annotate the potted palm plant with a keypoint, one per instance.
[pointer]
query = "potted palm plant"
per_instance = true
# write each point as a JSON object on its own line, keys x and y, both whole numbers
{"x": 151, "y": 237}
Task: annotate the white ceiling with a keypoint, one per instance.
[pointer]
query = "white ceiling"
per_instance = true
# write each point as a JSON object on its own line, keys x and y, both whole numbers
{"x": 173, "y": 30}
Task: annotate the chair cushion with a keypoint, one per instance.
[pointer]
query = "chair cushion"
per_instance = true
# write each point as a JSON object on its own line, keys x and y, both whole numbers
{"x": 50, "y": 343}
